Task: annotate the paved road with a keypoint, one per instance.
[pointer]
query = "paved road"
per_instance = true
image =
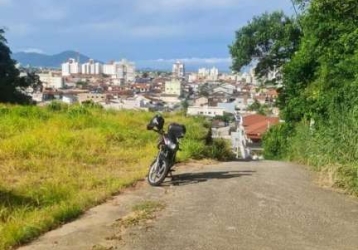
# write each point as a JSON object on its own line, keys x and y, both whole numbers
{"x": 236, "y": 205}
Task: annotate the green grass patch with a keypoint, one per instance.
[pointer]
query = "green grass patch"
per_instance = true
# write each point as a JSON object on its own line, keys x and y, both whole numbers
{"x": 58, "y": 161}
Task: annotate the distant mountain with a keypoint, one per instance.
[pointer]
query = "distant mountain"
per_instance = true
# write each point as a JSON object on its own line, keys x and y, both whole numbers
{"x": 49, "y": 61}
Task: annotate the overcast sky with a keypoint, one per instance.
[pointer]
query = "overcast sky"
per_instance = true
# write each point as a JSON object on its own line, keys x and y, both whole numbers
{"x": 147, "y": 30}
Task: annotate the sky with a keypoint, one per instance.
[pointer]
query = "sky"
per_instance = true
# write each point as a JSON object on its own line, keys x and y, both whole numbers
{"x": 148, "y": 32}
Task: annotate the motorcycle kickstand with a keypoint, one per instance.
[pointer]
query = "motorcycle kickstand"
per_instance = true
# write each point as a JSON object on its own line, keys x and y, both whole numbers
{"x": 171, "y": 174}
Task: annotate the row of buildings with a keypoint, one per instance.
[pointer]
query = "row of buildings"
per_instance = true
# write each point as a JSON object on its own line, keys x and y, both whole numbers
{"x": 123, "y": 69}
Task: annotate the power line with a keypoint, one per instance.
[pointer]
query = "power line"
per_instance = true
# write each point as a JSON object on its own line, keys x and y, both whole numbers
{"x": 294, "y": 7}
{"x": 298, "y": 20}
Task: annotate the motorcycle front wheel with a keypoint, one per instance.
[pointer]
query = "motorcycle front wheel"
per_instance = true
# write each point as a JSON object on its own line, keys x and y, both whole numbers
{"x": 158, "y": 170}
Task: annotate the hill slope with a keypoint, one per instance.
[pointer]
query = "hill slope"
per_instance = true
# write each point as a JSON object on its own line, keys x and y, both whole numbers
{"x": 58, "y": 161}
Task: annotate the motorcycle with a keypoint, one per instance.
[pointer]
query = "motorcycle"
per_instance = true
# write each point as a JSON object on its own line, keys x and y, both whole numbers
{"x": 168, "y": 146}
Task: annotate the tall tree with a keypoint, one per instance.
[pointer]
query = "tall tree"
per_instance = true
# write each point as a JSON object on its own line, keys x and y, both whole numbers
{"x": 321, "y": 79}
{"x": 12, "y": 86}
{"x": 268, "y": 40}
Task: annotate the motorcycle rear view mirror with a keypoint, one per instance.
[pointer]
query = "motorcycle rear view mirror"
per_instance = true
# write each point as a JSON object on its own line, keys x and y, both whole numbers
{"x": 156, "y": 122}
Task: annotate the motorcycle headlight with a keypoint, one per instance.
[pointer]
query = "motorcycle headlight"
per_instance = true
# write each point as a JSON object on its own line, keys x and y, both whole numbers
{"x": 172, "y": 145}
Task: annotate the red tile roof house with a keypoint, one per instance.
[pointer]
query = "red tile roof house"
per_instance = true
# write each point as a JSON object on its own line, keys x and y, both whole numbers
{"x": 255, "y": 126}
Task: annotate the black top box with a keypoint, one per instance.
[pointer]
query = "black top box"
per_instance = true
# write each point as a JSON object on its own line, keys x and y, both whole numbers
{"x": 176, "y": 131}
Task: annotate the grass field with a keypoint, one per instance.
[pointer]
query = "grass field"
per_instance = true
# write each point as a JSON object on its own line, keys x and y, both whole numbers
{"x": 58, "y": 161}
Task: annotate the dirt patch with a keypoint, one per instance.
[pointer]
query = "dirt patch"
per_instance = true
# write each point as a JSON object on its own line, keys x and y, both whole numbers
{"x": 141, "y": 213}
{"x": 142, "y": 216}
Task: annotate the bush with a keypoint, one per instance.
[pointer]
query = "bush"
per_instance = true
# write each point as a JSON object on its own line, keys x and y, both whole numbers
{"x": 329, "y": 147}
{"x": 219, "y": 149}
{"x": 57, "y": 106}
{"x": 275, "y": 141}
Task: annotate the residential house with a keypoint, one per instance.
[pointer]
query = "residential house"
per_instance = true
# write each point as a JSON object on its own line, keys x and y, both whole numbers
{"x": 229, "y": 107}
{"x": 69, "y": 99}
{"x": 243, "y": 102}
{"x": 201, "y": 101}
{"x": 255, "y": 126}
{"x": 225, "y": 88}
{"x": 134, "y": 103}
{"x": 95, "y": 97}
{"x": 205, "y": 111}
{"x": 171, "y": 100}
{"x": 141, "y": 87}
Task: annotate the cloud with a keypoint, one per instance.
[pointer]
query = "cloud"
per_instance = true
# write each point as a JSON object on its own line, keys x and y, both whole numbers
{"x": 191, "y": 64}
{"x": 32, "y": 50}
{"x": 178, "y": 5}
{"x": 196, "y": 60}
{"x": 138, "y": 28}
{"x": 157, "y": 31}
{"x": 128, "y": 30}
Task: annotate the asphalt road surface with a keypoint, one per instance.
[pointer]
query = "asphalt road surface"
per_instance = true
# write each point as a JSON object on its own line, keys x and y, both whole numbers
{"x": 235, "y": 205}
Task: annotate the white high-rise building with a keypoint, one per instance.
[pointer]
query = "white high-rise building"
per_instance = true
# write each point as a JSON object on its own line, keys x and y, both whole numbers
{"x": 214, "y": 73}
{"x": 193, "y": 77}
{"x": 109, "y": 69}
{"x": 123, "y": 70}
{"x": 203, "y": 72}
{"x": 66, "y": 69}
{"x": 92, "y": 68}
{"x": 178, "y": 69}
{"x": 209, "y": 74}
{"x": 71, "y": 67}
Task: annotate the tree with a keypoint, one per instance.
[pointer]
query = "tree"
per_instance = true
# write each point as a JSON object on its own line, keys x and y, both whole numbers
{"x": 145, "y": 75}
{"x": 82, "y": 84}
{"x": 260, "y": 109}
{"x": 204, "y": 90}
{"x": 269, "y": 41}
{"x": 185, "y": 105}
{"x": 12, "y": 86}
{"x": 321, "y": 79}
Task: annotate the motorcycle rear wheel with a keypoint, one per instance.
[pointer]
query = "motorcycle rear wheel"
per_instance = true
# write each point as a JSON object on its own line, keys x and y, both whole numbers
{"x": 158, "y": 171}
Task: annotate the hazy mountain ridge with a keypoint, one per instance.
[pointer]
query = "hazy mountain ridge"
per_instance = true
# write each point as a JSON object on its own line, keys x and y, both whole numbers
{"x": 51, "y": 61}
{"x": 34, "y": 59}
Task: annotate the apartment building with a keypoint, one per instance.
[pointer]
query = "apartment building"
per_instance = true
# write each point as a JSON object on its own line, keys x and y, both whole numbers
{"x": 92, "y": 68}
{"x": 173, "y": 87}
{"x": 178, "y": 70}
{"x": 51, "y": 80}
{"x": 71, "y": 67}
{"x": 123, "y": 70}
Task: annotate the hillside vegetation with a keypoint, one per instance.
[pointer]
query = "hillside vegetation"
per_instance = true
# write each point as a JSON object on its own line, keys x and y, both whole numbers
{"x": 314, "y": 55}
{"x": 60, "y": 160}
{"x": 319, "y": 100}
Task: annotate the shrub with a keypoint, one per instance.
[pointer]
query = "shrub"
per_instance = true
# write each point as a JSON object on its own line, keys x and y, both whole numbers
{"x": 275, "y": 141}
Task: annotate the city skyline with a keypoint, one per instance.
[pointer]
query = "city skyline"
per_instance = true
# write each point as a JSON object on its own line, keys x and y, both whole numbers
{"x": 154, "y": 32}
